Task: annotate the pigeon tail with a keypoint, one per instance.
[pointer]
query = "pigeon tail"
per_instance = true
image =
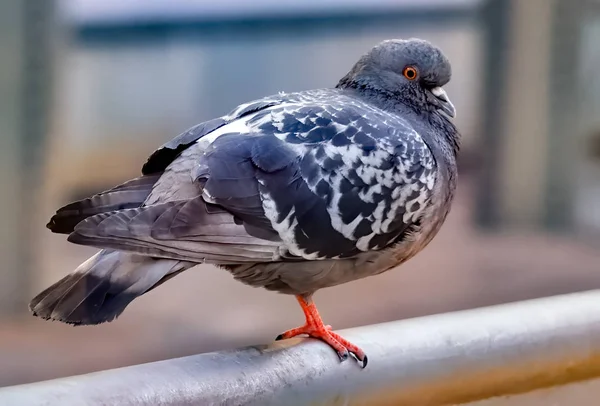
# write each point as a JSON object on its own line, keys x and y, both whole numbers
{"x": 130, "y": 194}
{"x": 100, "y": 288}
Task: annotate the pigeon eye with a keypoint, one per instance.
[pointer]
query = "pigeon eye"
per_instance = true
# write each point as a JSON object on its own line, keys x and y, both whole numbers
{"x": 410, "y": 72}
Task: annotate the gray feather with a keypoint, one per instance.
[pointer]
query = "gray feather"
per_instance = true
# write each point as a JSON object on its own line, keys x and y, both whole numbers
{"x": 129, "y": 194}
{"x": 100, "y": 288}
{"x": 158, "y": 231}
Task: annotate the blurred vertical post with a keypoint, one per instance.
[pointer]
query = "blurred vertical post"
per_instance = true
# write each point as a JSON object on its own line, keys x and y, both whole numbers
{"x": 518, "y": 113}
{"x": 25, "y": 41}
{"x": 527, "y": 112}
{"x": 565, "y": 108}
{"x": 531, "y": 113}
{"x": 495, "y": 17}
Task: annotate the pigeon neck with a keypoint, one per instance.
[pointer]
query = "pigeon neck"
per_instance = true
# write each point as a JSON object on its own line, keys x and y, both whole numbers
{"x": 443, "y": 125}
{"x": 395, "y": 103}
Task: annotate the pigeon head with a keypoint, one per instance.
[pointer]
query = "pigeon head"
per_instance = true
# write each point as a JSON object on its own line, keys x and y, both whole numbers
{"x": 409, "y": 71}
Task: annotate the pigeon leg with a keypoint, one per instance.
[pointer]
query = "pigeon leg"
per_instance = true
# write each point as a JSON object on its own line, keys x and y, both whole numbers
{"x": 315, "y": 328}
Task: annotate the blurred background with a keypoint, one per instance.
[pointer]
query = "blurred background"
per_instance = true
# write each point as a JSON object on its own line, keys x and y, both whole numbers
{"x": 88, "y": 89}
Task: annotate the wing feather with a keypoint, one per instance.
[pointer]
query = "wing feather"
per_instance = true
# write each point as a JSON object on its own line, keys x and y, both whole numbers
{"x": 209, "y": 238}
{"x": 307, "y": 179}
{"x": 127, "y": 195}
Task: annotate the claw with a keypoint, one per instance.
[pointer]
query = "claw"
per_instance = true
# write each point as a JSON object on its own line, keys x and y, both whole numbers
{"x": 343, "y": 355}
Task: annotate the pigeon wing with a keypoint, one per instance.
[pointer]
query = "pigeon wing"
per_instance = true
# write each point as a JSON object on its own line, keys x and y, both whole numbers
{"x": 306, "y": 180}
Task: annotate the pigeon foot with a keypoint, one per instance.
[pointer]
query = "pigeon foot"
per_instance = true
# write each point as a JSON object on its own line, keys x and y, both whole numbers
{"x": 315, "y": 328}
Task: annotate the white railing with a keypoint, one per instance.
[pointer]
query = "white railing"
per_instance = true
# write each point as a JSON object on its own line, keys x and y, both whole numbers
{"x": 442, "y": 359}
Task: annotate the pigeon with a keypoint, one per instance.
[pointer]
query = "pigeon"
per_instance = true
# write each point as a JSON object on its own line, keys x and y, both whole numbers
{"x": 293, "y": 193}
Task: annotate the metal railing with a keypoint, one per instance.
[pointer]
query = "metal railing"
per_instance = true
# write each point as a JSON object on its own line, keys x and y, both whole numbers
{"x": 442, "y": 359}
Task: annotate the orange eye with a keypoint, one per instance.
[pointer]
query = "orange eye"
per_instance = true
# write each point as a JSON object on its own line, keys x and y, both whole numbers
{"x": 410, "y": 72}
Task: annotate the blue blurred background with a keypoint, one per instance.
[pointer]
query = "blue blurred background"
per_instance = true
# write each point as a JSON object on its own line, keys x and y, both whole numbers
{"x": 89, "y": 88}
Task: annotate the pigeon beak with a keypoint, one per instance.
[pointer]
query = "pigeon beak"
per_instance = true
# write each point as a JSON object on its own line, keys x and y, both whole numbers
{"x": 443, "y": 102}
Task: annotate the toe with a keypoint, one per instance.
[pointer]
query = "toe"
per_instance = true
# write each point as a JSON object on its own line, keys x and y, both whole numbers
{"x": 342, "y": 347}
{"x": 356, "y": 351}
{"x": 361, "y": 358}
{"x": 344, "y": 355}
{"x": 294, "y": 332}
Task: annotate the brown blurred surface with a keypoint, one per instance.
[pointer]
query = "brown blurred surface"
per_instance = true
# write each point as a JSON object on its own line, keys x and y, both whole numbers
{"x": 576, "y": 394}
{"x": 204, "y": 309}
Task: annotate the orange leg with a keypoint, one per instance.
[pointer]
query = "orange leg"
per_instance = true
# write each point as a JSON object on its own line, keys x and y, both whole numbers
{"x": 315, "y": 328}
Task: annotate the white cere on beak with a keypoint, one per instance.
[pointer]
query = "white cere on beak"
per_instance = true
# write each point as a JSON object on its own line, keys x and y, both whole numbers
{"x": 440, "y": 93}
{"x": 446, "y": 104}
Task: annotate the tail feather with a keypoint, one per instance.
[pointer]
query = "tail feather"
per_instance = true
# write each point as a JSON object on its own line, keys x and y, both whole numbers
{"x": 128, "y": 195}
{"x": 101, "y": 288}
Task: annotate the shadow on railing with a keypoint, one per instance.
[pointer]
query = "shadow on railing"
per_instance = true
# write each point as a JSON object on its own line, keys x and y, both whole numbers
{"x": 442, "y": 359}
